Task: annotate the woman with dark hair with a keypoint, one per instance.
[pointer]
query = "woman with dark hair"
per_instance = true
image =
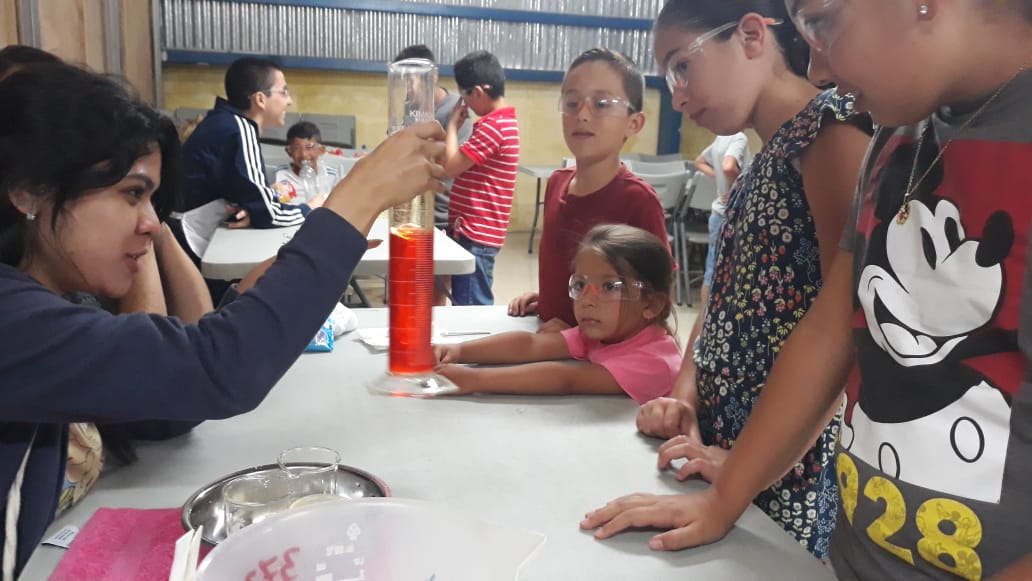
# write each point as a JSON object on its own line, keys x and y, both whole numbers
{"x": 14, "y": 57}
{"x": 732, "y": 66}
{"x": 82, "y": 222}
{"x": 168, "y": 283}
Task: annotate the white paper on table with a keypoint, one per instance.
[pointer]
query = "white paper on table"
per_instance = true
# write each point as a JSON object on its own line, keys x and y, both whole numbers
{"x": 64, "y": 537}
{"x": 377, "y": 337}
{"x": 184, "y": 559}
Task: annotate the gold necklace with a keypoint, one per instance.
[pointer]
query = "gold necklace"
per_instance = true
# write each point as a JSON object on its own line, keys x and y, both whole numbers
{"x": 904, "y": 209}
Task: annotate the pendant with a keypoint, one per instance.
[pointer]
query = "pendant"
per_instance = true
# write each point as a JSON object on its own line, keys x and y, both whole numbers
{"x": 904, "y": 213}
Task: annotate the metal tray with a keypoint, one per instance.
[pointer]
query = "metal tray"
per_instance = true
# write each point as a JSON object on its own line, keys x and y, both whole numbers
{"x": 204, "y": 507}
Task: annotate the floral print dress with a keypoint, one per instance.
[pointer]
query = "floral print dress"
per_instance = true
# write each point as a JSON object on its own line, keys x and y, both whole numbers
{"x": 768, "y": 273}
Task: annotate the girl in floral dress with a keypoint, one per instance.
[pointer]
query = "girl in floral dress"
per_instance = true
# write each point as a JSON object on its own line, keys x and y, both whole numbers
{"x": 733, "y": 65}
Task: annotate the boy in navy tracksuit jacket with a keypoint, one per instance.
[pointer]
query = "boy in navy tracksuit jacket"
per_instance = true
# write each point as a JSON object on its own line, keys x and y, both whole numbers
{"x": 223, "y": 162}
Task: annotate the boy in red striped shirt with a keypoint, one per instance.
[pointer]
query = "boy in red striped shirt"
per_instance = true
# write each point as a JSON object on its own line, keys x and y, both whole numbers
{"x": 484, "y": 168}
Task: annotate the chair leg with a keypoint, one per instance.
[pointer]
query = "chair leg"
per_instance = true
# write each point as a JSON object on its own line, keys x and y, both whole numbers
{"x": 679, "y": 257}
{"x": 363, "y": 301}
{"x": 537, "y": 210}
{"x": 686, "y": 265}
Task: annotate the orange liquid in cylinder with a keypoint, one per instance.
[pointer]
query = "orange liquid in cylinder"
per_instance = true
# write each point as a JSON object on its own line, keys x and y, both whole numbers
{"x": 410, "y": 297}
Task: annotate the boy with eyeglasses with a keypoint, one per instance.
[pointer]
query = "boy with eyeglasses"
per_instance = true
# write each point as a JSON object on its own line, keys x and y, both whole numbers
{"x": 601, "y": 107}
{"x": 484, "y": 168}
{"x": 304, "y": 143}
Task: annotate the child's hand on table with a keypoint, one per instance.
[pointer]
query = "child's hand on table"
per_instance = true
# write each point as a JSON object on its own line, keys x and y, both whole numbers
{"x": 462, "y": 376}
{"x": 666, "y": 417}
{"x": 445, "y": 354}
{"x": 523, "y": 305}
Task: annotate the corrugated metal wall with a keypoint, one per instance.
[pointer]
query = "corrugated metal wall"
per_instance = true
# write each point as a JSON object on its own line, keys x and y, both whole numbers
{"x": 646, "y": 9}
{"x": 306, "y": 31}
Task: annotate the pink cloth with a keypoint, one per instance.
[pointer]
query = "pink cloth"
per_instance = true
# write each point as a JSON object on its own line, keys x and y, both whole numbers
{"x": 124, "y": 544}
{"x": 645, "y": 366}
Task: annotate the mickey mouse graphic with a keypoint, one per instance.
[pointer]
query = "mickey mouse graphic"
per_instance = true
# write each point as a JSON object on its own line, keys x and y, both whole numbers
{"x": 938, "y": 360}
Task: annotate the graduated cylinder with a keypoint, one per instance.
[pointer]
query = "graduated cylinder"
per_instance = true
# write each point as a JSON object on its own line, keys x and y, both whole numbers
{"x": 410, "y": 94}
{"x": 410, "y": 291}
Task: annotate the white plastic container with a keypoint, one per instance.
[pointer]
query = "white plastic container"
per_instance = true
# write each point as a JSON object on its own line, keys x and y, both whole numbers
{"x": 373, "y": 539}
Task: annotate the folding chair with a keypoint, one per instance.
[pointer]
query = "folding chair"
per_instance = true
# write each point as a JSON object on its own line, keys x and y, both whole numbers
{"x": 670, "y": 189}
{"x": 692, "y": 223}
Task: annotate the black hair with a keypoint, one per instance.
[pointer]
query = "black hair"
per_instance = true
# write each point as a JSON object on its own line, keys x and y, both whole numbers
{"x": 637, "y": 254}
{"x": 247, "y": 76}
{"x": 633, "y": 80}
{"x": 17, "y": 56}
{"x": 1025, "y": 6}
{"x": 304, "y": 130}
{"x": 481, "y": 69}
{"x": 416, "y": 51}
{"x": 101, "y": 130}
{"x": 702, "y": 15}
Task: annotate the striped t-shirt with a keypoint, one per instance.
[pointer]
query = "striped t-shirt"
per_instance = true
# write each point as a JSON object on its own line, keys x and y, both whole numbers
{"x": 481, "y": 197}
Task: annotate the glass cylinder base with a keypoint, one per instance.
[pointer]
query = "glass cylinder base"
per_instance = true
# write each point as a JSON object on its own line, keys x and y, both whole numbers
{"x": 412, "y": 385}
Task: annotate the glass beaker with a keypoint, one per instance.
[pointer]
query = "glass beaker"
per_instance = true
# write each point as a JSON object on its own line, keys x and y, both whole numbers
{"x": 252, "y": 498}
{"x": 410, "y": 278}
{"x": 311, "y": 470}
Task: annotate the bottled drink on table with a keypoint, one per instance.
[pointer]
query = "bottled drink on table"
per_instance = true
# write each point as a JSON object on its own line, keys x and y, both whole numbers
{"x": 310, "y": 179}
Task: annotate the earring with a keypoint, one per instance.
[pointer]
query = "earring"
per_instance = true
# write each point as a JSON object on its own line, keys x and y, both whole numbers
{"x": 31, "y": 216}
{"x": 923, "y": 10}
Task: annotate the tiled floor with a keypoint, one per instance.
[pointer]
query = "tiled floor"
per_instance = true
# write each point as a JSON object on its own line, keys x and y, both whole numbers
{"x": 516, "y": 272}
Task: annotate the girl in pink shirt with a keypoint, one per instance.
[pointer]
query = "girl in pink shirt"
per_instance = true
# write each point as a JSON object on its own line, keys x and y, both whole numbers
{"x": 621, "y": 299}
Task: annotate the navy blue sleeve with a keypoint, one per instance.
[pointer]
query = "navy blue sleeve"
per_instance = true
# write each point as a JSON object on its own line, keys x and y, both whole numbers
{"x": 142, "y": 430}
{"x": 247, "y": 186}
{"x": 72, "y": 363}
{"x": 152, "y": 429}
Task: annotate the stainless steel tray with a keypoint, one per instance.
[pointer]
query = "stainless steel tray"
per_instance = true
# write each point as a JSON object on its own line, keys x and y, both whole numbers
{"x": 204, "y": 507}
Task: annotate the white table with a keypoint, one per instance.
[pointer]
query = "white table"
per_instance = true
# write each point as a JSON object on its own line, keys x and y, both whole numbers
{"x": 534, "y": 462}
{"x": 538, "y": 172}
{"x": 232, "y": 253}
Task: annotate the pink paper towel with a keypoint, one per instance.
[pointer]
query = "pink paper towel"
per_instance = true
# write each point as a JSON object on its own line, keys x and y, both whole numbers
{"x": 124, "y": 543}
